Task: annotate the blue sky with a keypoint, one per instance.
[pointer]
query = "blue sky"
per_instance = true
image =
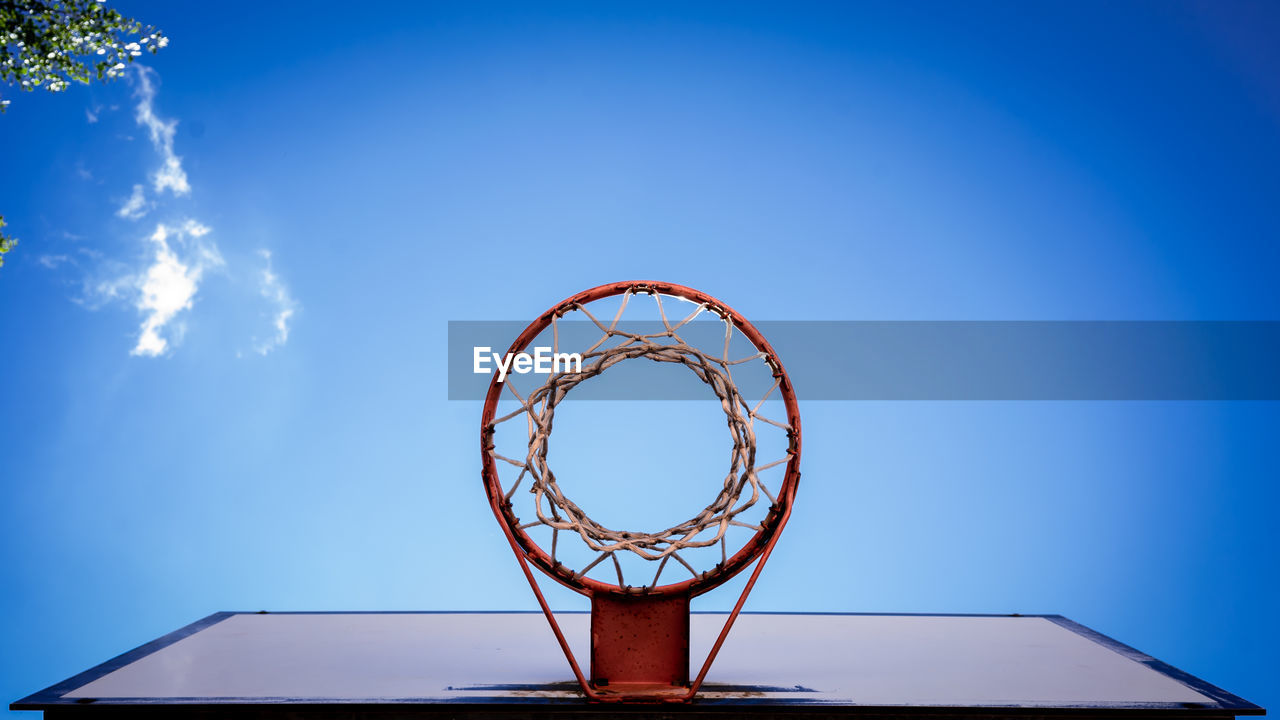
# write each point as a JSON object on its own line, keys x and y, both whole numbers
{"x": 224, "y": 328}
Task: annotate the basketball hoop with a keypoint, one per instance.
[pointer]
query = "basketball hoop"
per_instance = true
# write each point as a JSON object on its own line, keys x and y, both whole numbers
{"x": 640, "y": 631}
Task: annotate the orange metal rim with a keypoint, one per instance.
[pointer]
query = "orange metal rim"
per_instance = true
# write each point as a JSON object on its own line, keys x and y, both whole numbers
{"x": 770, "y": 527}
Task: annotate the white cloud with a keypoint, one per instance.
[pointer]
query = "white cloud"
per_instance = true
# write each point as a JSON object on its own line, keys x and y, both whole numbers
{"x": 170, "y": 175}
{"x": 91, "y": 114}
{"x": 168, "y": 286}
{"x": 283, "y": 306}
{"x": 136, "y": 206}
{"x": 195, "y": 229}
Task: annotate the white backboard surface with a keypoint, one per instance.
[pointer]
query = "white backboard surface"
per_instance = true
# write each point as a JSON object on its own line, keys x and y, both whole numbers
{"x": 836, "y": 660}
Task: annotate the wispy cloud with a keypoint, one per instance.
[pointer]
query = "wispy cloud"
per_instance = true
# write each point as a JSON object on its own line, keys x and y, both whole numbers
{"x": 170, "y": 175}
{"x": 163, "y": 282}
{"x": 103, "y": 280}
{"x": 100, "y": 287}
{"x": 136, "y": 206}
{"x": 283, "y": 306}
{"x": 52, "y": 261}
{"x": 168, "y": 286}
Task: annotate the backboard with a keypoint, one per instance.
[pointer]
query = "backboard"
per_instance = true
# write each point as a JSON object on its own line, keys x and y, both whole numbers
{"x": 475, "y": 664}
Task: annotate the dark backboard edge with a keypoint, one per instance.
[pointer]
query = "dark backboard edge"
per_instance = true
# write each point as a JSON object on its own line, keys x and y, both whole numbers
{"x": 53, "y": 695}
{"x": 1226, "y": 701}
{"x": 286, "y": 706}
{"x": 490, "y": 708}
